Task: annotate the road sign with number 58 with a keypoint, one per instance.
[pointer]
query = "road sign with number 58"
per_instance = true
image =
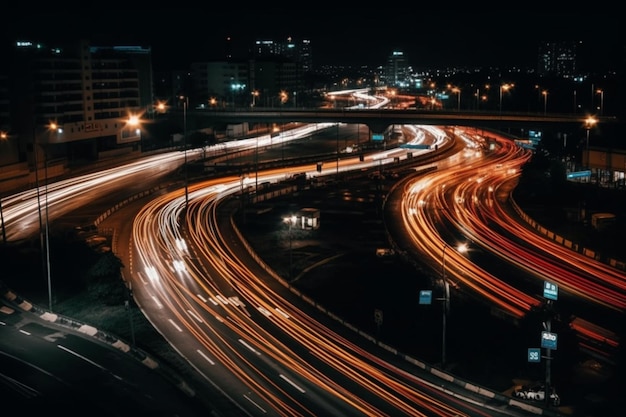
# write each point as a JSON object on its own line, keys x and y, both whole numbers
{"x": 534, "y": 355}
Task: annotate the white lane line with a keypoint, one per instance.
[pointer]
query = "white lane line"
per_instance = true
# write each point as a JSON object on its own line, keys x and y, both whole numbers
{"x": 249, "y": 347}
{"x": 205, "y": 357}
{"x": 195, "y": 316}
{"x": 175, "y": 325}
{"x": 257, "y": 405}
{"x": 293, "y": 384}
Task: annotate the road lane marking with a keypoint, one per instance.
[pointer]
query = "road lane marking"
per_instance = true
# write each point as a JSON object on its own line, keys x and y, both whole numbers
{"x": 293, "y": 384}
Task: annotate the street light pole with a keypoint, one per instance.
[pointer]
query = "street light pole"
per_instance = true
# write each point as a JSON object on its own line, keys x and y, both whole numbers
{"x": 446, "y": 305}
{"x": 504, "y": 87}
{"x": 256, "y": 166}
{"x": 601, "y": 92}
{"x": 457, "y": 90}
{"x": 242, "y": 180}
{"x": 3, "y": 136}
{"x": 545, "y": 100}
{"x": 41, "y": 226}
{"x": 589, "y": 122}
{"x": 45, "y": 157}
{"x": 290, "y": 222}
{"x": 185, "y": 103}
{"x": 446, "y": 298}
{"x": 4, "y": 233}
{"x": 337, "y": 167}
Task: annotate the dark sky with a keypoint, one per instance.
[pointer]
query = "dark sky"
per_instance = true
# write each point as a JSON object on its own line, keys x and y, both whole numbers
{"x": 436, "y": 39}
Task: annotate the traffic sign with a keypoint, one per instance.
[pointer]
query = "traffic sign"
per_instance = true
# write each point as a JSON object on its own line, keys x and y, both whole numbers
{"x": 426, "y": 296}
{"x": 550, "y": 290}
{"x": 548, "y": 340}
{"x": 534, "y": 355}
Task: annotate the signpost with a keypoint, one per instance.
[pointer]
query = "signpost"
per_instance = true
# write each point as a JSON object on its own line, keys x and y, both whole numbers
{"x": 549, "y": 339}
{"x": 550, "y": 291}
{"x": 534, "y": 355}
{"x": 426, "y": 297}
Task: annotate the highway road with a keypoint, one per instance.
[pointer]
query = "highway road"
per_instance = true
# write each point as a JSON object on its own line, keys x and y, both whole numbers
{"x": 192, "y": 284}
{"x": 191, "y": 271}
{"x": 74, "y": 368}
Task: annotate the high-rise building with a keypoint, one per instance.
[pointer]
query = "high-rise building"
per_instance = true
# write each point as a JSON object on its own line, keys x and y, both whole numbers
{"x": 75, "y": 102}
{"x": 298, "y": 51}
{"x": 397, "y": 71}
{"x": 225, "y": 82}
{"x": 557, "y": 59}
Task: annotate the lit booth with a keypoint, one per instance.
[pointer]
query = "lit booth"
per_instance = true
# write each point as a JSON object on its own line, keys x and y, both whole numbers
{"x": 308, "y": 218}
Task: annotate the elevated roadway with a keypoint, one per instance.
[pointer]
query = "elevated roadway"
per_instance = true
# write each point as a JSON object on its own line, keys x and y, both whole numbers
{"x": 379, "y": 119}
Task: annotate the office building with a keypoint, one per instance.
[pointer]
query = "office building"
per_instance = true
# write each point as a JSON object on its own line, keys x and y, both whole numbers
{"x": 73, "y": 103}
{"x": 397, "y": 72}
{"x": 558, "y": 59}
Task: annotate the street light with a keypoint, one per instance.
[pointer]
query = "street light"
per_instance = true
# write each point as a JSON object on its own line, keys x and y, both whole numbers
{"x": 601, "y": 92}
{"x": 255, "y": 94}
{"x": 337, "y": 169}
{"x": 545, "y": 100}
{"x": 243, "y": 181}
{"x": 3, "y": 136}
{"x": 504, "y": 87}
{"x": 185, "y": 104}
{"x": 589, "y": 123}
{"x": 43, "y": 226}
{"x": 457, "y": 90}
{"x": 256, "y": 166}
{"x": 291, "y": 221}
{"x": 134, "y": 123}
{"x": 461, "y": 248}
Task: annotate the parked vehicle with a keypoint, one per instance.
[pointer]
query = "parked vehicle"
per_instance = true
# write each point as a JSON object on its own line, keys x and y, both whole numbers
{"x": 536, "y": 393}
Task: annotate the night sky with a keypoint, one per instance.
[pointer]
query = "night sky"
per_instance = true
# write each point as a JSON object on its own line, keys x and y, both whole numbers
{"x": 347, "y": 37}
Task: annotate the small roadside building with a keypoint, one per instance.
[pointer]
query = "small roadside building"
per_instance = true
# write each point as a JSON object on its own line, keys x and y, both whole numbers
{"x": 308, "y": 218}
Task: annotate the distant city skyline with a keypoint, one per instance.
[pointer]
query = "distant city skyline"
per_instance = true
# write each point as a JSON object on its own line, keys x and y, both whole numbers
{"x": 178, "y": 37}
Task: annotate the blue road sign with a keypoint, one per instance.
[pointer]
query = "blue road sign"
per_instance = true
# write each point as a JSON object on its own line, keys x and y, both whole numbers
{"x": 550, "y": 290}
{"x": 534, "y": 355}
{"x": 548, "y": 340}
{"x": 426, "y": 296}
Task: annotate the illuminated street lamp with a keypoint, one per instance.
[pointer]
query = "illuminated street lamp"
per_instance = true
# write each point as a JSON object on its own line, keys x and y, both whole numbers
{"x": 185, "y": 105}
{"x": 255, "y": 94}
{"x": 601, "y": 92}
{"x": 44, "y": 234}
{"x": 457, "y": 90}
{"x": 133, "y": 122}
{"x": 256, "y": 165}
{"x": 544, "y": 93}
{"x": 291, "y": 221}
{"x": 589, "y": 123}
{"x": 461, "y": 248}
{"x": 160, "y": 107}
{"x": 504, "y": 87}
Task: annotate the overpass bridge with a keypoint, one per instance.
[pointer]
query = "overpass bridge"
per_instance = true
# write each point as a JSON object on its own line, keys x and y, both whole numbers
{"x": 378, "y": 120}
